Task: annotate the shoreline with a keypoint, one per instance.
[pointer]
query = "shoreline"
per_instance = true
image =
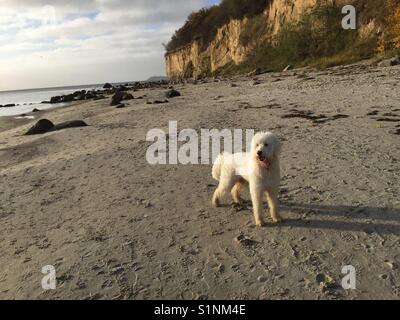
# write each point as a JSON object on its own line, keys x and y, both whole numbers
{"x": 11, "y": 122}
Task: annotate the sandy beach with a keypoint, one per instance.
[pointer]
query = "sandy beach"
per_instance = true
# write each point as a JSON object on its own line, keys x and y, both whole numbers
{"x": 87, "y": 202}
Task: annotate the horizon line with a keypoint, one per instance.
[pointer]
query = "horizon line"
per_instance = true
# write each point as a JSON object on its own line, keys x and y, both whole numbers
{"x": 77, "y": 85}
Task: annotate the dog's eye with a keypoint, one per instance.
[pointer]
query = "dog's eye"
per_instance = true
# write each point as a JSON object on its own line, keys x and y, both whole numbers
{"x": 266, "y": 144}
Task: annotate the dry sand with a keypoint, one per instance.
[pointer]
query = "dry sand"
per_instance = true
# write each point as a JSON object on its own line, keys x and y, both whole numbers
{"x": 86, "y": 201}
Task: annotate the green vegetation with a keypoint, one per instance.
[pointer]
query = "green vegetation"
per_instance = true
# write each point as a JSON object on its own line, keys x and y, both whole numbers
{"x": 204, "y": 24}
{"x": 255, "y": 28}
{"x": 318, "y": 39}
{"x": 390, "y": 40}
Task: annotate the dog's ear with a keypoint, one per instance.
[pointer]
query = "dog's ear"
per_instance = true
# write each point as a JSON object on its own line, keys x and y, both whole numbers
{"x": 256, "y": 139}
{"x": 277, "y": 146}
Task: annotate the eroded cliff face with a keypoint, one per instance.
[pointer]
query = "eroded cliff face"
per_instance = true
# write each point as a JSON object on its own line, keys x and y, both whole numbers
{"x": 196, "y": 61}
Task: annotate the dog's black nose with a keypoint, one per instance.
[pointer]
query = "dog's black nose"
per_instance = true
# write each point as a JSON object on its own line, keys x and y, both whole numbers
{"x": 259, "y": 153}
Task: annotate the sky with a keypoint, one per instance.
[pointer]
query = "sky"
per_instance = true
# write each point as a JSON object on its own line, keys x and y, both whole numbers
{"x": 59, "y": 43}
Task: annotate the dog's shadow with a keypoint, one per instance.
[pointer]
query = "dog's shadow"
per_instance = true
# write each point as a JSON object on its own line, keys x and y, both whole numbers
{"x": 318, "y": 216}
{"x": 351, "y": 218}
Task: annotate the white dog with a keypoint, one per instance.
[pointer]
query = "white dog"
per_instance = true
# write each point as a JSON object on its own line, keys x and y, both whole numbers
{"x": 258, "y": 169}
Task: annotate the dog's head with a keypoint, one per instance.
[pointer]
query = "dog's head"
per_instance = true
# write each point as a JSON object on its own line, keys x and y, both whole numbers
{"x": 265, "y": 148}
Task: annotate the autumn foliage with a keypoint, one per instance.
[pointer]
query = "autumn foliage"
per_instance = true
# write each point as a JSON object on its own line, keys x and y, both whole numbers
{"x": 390, "y": 40}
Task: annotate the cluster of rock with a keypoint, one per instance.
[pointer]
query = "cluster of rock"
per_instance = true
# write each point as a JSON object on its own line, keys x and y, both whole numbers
{"x": 107, "y": 90}
{"x": 120, "y": 96}
{"x": 149, "y": 85}
{"x": 78, "y": 96}
{"x": 119, "y": 93}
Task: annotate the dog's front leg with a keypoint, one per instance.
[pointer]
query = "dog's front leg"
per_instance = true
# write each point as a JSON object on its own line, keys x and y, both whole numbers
{"x": 256, "y": 197}
{"x": 273, "y": 203}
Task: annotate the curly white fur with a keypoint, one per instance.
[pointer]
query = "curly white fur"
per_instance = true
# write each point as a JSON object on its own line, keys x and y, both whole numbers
{"x": 259, "y": 169}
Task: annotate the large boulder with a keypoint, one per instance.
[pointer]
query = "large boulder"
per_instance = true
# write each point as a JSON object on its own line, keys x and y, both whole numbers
{"x": 56, "y": 99}
{"x": 42, "y": 126}
{"x": 69, "y": 124}
{"x": 68, "y": 98}
{"x": 117, "y": 98}
{"x": 120, "y": 96}
{"x": 107, "y": 86}
{"x": 128, "y": 96}
{"x": 172, "y": 93}
{"x": 90, "y": 95}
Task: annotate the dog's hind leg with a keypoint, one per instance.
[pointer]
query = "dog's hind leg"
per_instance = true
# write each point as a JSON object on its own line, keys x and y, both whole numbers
{"x": 235, "y": 192}
{"x": 216, "y": 200}
{"x": 225, "y": 185}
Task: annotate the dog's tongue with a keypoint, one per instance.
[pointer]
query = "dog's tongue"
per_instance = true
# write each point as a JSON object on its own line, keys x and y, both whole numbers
{"x": 264, "y": 160}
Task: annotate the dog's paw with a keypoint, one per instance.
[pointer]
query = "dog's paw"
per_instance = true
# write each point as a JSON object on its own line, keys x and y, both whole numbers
{"x": 277, "y": 220}
{"x": 260, "y": 223}
{"x": 215, "y": 204}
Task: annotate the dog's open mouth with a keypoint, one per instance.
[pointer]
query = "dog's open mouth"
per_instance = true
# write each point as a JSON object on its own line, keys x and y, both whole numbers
{"x": 264, "y": 160}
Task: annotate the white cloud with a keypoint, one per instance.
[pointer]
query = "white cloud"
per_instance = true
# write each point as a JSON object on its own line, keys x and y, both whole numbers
{"x": 74, "y": 42}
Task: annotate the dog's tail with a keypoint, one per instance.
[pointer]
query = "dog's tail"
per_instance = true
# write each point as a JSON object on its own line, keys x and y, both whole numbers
{"x": 216, "y": 170}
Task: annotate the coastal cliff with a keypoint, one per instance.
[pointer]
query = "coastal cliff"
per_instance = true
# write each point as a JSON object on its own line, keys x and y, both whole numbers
{"x": 235, "y": 40}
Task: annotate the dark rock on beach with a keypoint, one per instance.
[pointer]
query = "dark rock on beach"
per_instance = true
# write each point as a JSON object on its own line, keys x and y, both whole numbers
{"x": 107, "y": 86}
{"x": 68, "y": 98}
{"x": 42, "y": 126}
{"x": 117, "y": 98}
{"x": 160, "y": 101}
{"x": 10, "y": 105}
{"x": 99, "y": 97}
{"x": 128, "y": 96}
{"x": 69, "y": 124}
{"x": 157, "y": 101}
{"x": 87, "y": 96}
{"x": 120, "y": 96}
{"x": 35, "y": 110}
{"x": 122, "y": 88}
{"x": 56, "y": 99}
{"x": 173, "y": 93}
{"x": 76, "y": 96}
{"x": 45, "y": 125}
